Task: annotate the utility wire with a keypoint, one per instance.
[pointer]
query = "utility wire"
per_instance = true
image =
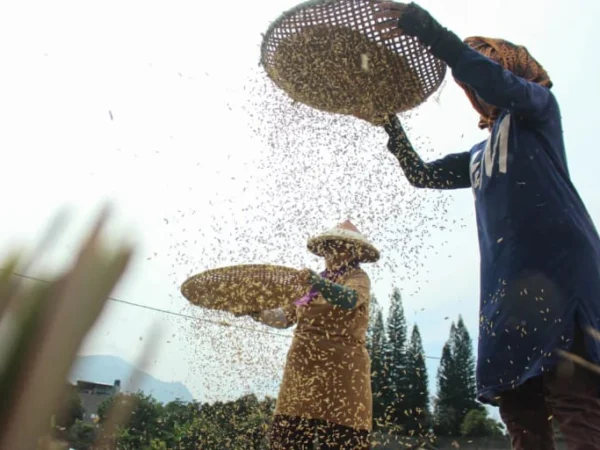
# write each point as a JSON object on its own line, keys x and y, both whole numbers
{"x": 173, "y": 313}
{"x": 164, "y": 311}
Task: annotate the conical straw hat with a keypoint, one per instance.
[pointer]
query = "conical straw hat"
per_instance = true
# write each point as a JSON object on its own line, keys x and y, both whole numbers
{"x": 348, "y": 233}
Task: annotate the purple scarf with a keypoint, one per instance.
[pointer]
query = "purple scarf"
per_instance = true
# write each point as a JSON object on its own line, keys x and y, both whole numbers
{"x": 328, "y": 275}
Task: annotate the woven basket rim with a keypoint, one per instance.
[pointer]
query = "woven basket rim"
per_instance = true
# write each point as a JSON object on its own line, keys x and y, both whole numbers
{"x": 237, "y": 267}
{"x": 284, "y": 15}
{"x": 198, "y": 291}
{"x": 434, "y": 75}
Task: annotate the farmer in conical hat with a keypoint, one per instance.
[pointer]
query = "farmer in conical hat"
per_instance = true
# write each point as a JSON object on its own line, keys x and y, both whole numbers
{"x": 540, "y": 251}
{"x": 326, "y": 387}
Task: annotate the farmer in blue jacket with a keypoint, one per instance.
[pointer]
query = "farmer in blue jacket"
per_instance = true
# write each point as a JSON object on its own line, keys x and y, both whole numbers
{"x": 540, "y": 251}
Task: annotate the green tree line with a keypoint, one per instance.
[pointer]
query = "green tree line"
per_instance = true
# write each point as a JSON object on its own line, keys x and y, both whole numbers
{"x": 402, "y": 404}
{"x": 241, "y": 424}
{"x": 401, "y": 400}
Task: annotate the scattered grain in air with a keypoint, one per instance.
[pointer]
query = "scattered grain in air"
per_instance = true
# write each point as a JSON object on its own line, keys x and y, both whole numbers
{"x": 299, "y": 143}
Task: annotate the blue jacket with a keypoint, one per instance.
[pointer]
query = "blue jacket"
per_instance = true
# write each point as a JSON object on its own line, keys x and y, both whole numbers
{"x": 540, "y": 251}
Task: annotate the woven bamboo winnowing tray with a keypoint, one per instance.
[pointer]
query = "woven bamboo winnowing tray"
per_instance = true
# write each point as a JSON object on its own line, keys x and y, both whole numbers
{"x": 328, "y": 55}
{"x": 244, "y": 288}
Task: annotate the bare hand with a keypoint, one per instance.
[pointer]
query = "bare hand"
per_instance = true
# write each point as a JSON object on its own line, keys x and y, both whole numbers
{"x": 254, "y": 315}
{"x": 387, "y": 15}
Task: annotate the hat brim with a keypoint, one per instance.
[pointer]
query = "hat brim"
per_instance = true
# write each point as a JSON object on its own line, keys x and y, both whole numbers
{"x": 366, "y": 251}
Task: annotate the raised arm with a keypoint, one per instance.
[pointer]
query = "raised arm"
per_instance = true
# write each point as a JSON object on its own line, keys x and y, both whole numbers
{"x": 449, "y": 172}
{"x": 354, "y": 291}
{"x": 490, "y": 81}
{"x": 494, "y": 84}
{"x": 337, "y": 294}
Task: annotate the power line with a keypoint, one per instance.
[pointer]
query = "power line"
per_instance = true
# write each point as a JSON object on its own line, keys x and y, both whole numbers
{"x": 173, "y": 313}
{"x": 164, "y": 311}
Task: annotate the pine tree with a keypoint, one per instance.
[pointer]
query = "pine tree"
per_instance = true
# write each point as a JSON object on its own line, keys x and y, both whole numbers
{"x": 380, "y": 372}
{"x": 445, "y": 416}
{"x": 395, "y": 361}
{"x": 376, "y": 343}
{"x": 462, "y": 348}
{"x": 416, "y": 403}
{"x": 456, "y": 382}
{"x": 373, "y": 309}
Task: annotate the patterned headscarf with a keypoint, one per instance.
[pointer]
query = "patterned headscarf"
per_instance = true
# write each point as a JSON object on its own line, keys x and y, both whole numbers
{"x": 512, "y": 57}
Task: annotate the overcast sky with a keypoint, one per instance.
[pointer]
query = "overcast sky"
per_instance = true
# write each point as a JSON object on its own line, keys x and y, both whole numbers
{"x": 161, "y": 107}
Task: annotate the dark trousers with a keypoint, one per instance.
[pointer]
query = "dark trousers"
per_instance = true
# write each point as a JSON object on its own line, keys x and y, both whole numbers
{"x": 297, "y": 433}
{"x": 570, "y": 395}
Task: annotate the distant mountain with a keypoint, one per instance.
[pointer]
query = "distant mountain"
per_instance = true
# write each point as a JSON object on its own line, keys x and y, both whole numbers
{"x": 106, "y": 369}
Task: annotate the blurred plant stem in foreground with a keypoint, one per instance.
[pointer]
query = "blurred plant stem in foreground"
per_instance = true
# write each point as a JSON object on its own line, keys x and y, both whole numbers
{"x": 42, "y": 327}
